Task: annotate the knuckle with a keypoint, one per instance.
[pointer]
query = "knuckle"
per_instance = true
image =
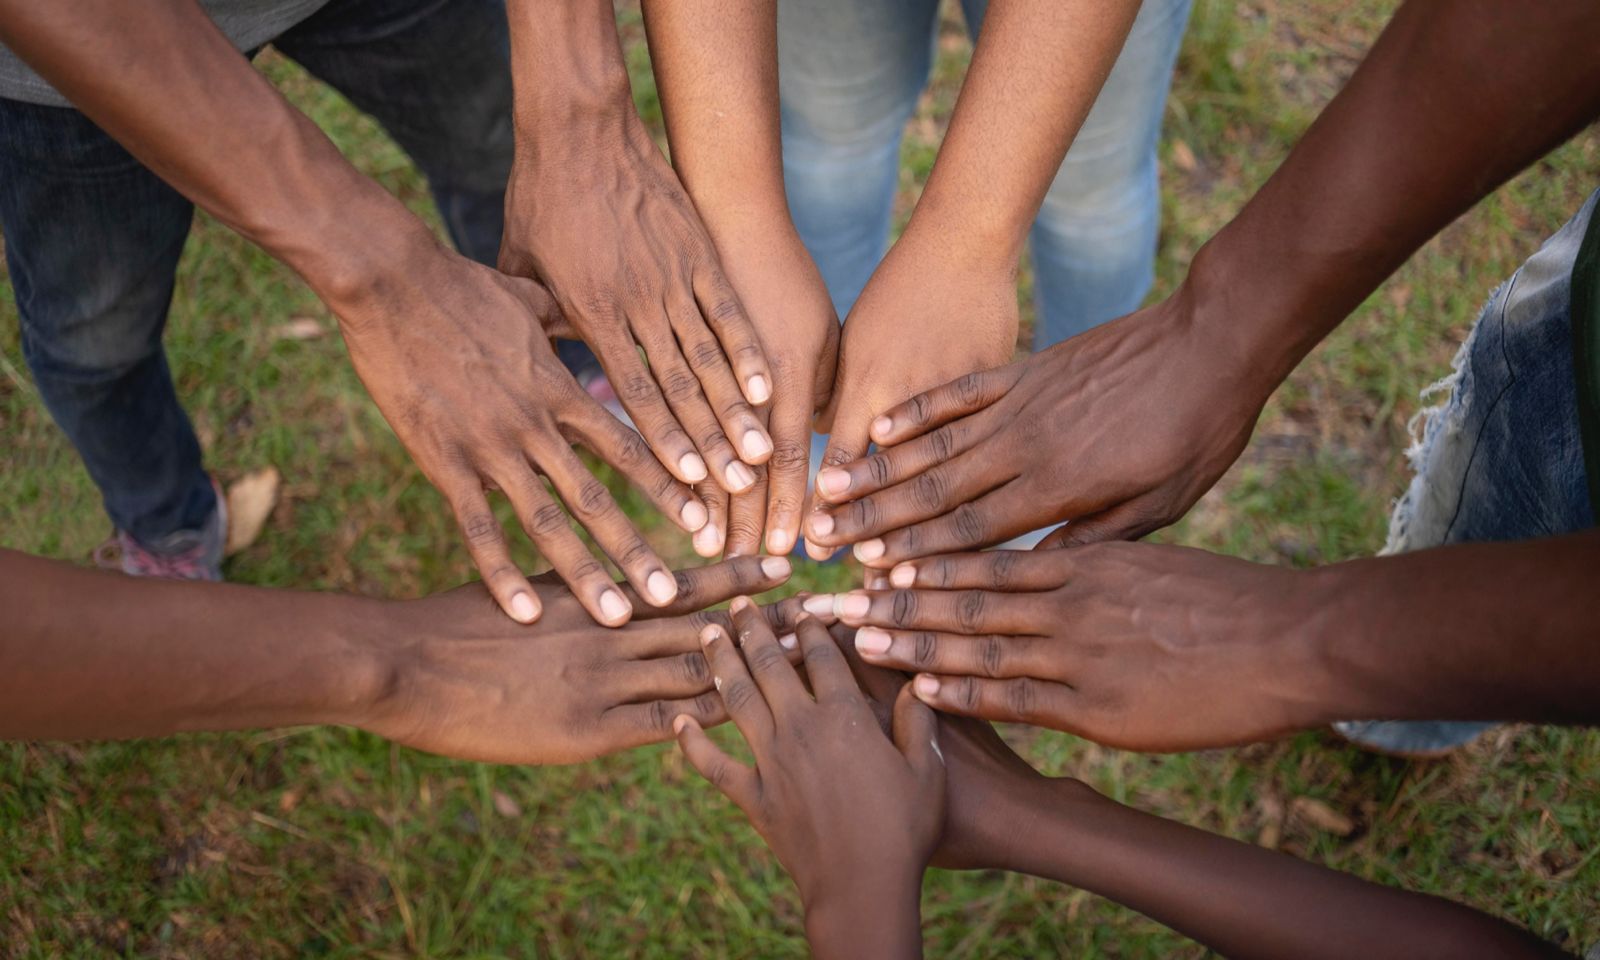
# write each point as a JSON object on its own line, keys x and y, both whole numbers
{"x": 1022, "y": 699}
{"x": 878, "y": 468}
{"x": 687, "y": 588}
{"x": 929, "y": 490}
{"x": 636, "y": 388}
{"x": 924, "y": 649}
{"x": 788, "y": 455}
{"x": 738, "y": 694}
{"x": 547, "y": 520}
{"x": 991, "y": 656}
{"x": 968, "y": 525}
{"x": 695, "y": 669}
{"x": 704, "y": 355}
{"x": 967, "y": 694}
{"x": 765, "y": 658}
{"x": 657, "y": 717}
{"x": 820, "y": 654}
{"x": 589, "y": 568}
{"x": 707, "y": 704}
{"x": 636, "y": 552}
{"x": 480, "y": 529}
{"x": 969, "y": 610}
{"x": 942, "y": 443}
{"x": 969, "y": 388}
{"x": 903, "y": 608}
{"x": 921, "y": 409}
{"x": 1002, "y": 569}
{"x": 866, "y": 514}
{"x": 593, "y": 499}
{"x": 678, "y": 386}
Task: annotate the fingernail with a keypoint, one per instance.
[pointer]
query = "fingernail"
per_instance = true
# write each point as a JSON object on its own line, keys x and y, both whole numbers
{"x": 820, "y": 605}
{"x": 881, "y": 427}
{"x": 903, "y": 575}
{"x": 522, "y": 608}
{"x": 612, "y": 606}
{"x": 787, "y": 641}
{"x": 821, "y": 524}
{"x": 925, "y": 686}
{"x": 739, "y": 604}
{"x": 869, "y": 550}
{"x": 692, "y": 467}
{"x": 853, "y": 605}
{"x": 707, "y": 635}
{"x": 780, "y": 541}
{"x": 694, "y": 515}
{"x": 831, "y": 481}
{"x": 708, "y": 540}
{"x": 818, "y": 552}
{"x": 758, "y": 391}
{"x": 754, "y": 445}
{"x": 775, "y": 567}
{"x": 661, "y": 587}
{"x": 739, "y": 477}
{"x": 871, "y": 640}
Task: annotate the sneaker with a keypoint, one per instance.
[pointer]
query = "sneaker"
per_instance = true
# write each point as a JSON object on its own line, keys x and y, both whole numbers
{"x": 1411, "y": 739}
{"x": 184, "y": 555}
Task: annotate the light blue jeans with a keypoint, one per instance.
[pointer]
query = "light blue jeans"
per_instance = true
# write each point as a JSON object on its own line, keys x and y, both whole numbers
{"x": 850, "y": 73}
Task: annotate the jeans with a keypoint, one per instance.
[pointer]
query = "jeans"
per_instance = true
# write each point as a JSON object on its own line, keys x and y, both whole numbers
{"x": 93, "y": 237}
{"x": 1502, "y": 457}
{"x": 850, "y": 73}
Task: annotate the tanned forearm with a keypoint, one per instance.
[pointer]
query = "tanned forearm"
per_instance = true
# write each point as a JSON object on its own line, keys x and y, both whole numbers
{"x": 1451, "y": 101}
{"x": 1035, "y": 74}
{"x": 89, "y": 654}
{"x": 571, "y": 82}
{"x": 716, "y": 66}
{"x": 1240, "y": 900}
{"x": 1493, "y": 631}
{"x": 170, "y": 88}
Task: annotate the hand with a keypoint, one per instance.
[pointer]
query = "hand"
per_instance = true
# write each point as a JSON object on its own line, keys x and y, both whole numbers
{"x": 1137, "y": 646}
{"x": 922, "y": 320}
{"x": 457, "y": 358}
{"x": 467, "y": 683}
{"x": 851, "y": 816}
{"x": 1117, "y": 431}
{"x": 602, "y": 219}
{"x": 779, "y": 284}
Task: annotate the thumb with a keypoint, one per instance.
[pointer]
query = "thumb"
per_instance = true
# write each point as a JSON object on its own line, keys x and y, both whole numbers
{"x": 916, "y": 735}
{"x": 847, "y": 442}
{"x": 1125, "y": 521}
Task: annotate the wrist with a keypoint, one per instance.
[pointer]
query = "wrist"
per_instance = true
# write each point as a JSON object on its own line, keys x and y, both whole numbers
{"x": 568, "y": 73}
{"x": 369, "y": 662}
{"x": 870, "y": 914}
{"x": 963, "y": 239}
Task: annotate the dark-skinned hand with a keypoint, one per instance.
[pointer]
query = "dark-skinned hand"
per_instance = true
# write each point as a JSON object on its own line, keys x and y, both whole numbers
{"x": 852, "y": 815}
{"x": 461, "y": 366}
{"x": 1137, "y": 646}
{"x": 1116, "y": 432}
{"x": 468, "y": 683}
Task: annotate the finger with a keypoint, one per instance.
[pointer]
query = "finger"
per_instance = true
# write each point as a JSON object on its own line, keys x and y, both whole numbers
{"x": 486, "y": 544}
{"x": 746, "y": 511}
{"x": 916, "y": 736}
{"x": 592, "y": 506}
{"x": 787, "y": 470}
{"x": 737, "y": 782}
{"x": 1039, "y": 703}
{"x": 741, "y": 425}
{"x": 723, "y": 313}
{"x": 629, "y": 725}
{"x": 701, "y": 587}
{"x": 682, "y": 675}
{"x": 546, "y": 525}
{"x": 847, "y": 442}
{"x": 1005, "y": 571}
{"x": 995, "y": 656}
{"x": 967, "y": 612}
{"x": 614, "y": 442}
{"x": 960, "y": 397}
{"x": 689, "y": 404}
{"x": 668, "y": 636}
{"x": 896, "y": 465}
{"x": 1129, "y": 520}
{"x": 648, "y": 408}
{"x": 708, "y": 540}
{"x": 993, "y": 518}
{"x": 779, "y": 684}
{"x": 825, "y": 666}
{"x": 743, "y": 699}
{"x": 931, "y": 494}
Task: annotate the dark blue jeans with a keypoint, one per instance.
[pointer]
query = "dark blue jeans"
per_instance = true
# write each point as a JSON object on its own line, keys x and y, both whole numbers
{"x": 93, "y": 237}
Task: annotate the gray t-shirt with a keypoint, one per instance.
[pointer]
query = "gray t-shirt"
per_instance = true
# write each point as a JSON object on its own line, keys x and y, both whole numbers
{"x": 248, "y": 23}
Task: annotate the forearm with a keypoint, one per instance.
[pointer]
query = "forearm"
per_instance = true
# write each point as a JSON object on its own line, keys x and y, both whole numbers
{"x": 1421, "y": 132}
{"x": 716, "y": 67}
{"x": 572, "y": 98}
{"x": 1237, "y": 899}
{"x": 172, "y": 90}
{"x": 88, "y": 654}
{"x": 867, "y": 918}
{"x": 1501, "y": 631}
{"x": 1035, "y": 74}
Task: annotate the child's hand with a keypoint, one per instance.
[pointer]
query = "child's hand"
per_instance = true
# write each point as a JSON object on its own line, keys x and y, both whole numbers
{"x": 852, "y": 816}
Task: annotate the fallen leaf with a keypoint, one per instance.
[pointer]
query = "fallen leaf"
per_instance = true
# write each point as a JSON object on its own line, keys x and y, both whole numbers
{"x": 288, "y": 800}
{"x": 300, "y": 328}
{"x": 505, "y": 806}
{"x": 250, "y": 501}
{"x": 1322, "y": 816}
{"x": 1183, "y": 157}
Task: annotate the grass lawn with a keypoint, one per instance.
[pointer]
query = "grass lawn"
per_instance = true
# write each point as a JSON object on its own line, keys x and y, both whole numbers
{"x": 328, "y": 842}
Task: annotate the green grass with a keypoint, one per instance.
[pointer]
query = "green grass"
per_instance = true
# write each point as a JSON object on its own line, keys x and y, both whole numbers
{"x": 326, "y": 842}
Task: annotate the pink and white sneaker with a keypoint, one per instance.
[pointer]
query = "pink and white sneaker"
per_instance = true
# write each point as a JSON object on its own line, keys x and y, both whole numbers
{"x": 184, "y": 555}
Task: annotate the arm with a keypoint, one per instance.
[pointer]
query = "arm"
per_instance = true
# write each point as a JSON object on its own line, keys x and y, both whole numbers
{"x": 1420, "y": 133}
{"x": 89, "y": 654}
{"x": 593, "y": 210}
{"x": 1237, "y": 899}
{"x": 1111, "y": 641}
{"x": 1036, "y": 71}
{"x": 852, "y": 814}
{"x": 455, "y": 355}
{"x": 716, "y": 68}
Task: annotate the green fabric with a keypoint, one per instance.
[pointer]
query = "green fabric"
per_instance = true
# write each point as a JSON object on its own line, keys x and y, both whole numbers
{"x": 1586, "y": 351}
